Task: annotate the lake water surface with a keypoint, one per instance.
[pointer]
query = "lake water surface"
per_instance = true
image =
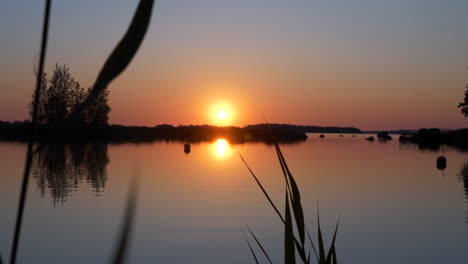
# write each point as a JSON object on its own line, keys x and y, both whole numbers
{"x": 394, "y": 205}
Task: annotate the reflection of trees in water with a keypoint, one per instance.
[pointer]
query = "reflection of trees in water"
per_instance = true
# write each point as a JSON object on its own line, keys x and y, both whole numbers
{"x": 61, "y": 168}
{"x": 463, "y": 177}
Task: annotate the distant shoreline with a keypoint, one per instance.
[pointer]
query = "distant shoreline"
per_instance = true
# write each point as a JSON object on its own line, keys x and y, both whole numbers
{"x": 283, "y": 133}
{"x": 19, "y": 131}
{"x": 432, "y": 139}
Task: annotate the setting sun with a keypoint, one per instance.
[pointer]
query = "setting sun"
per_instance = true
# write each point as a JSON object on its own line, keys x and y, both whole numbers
{"x": 222, "y": 114}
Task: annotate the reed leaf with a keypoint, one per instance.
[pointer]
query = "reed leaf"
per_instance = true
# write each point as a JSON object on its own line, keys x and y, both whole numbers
{"x": 295, "y": 196}
{"x": 290, "y": 242}
{"x": 263, "y": 189}
{"x": 121, "y": 249}
{"x": 298, "y": 245}
{"x": 331, "y": 252}
{"x": 250, "y": 247}
{"x": 259, "y": 245}
{"x": 300, "y": 250}
{"x": 289, "y": 251}
{"x": 312, "y": 244}
{"x": 121, "y": 57}
{"x": 29, "y": 152}
{"x": 320, "y": 242}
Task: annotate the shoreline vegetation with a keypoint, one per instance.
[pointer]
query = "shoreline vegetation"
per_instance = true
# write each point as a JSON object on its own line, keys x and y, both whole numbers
{"x": 19, "y": 131}
{"x": 430, "y": 139}
{"x": 434, "y": 138}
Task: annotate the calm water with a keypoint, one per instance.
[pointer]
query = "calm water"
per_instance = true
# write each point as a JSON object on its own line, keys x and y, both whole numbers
{"x": 395, "y": 206}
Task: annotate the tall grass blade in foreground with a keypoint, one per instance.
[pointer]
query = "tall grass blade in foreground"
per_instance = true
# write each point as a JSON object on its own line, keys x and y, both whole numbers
{"x": 29, "y": 154}
{"x": 116, "y": 63}
{"x": 289, "y": 256}
{"x": 293, "y": 201}
{"x": 263, "y": 189}
{"x": 121, "y": 57}
{"x": 260, "y": 245}
{"x": 251, "y": 249}
{"x": 127, "y": 225}
{"x": 294, "y": 195}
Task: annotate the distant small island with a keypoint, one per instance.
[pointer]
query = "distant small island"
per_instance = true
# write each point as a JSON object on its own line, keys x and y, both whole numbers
{"x": 311, "y": 129}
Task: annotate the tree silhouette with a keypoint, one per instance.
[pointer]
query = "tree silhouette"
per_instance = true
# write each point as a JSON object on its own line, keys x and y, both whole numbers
{"x": 61, "y": 95}
{"x": 464, "y": 105}
{"x": 58, "y": 95}
{"x": 41, "y": 114}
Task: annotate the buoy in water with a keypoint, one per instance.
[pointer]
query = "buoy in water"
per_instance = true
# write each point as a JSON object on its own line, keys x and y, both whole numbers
{"x": 441, "y": 163}
{"x": 187, "y": 148}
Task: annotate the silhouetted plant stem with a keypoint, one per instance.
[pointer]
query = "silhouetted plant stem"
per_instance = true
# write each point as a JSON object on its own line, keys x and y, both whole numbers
{"x": 251, "y": 249}
{"x": 127, "y": 225}
{"x": 120, "y": 57}
{"x": 29, "y": 154}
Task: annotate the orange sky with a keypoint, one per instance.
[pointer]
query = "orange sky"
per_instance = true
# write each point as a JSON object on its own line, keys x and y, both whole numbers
{"x": 373, "y": 66}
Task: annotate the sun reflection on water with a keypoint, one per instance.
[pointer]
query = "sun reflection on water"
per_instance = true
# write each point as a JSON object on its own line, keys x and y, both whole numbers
{"x": 222, "y": 148}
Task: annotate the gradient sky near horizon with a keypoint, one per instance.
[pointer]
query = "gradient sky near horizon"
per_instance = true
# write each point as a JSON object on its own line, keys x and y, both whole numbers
{"x": 372, "y": 64}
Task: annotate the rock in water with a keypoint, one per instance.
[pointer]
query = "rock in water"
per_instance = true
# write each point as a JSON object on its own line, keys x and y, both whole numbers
{"x": 370, "y": 139}
{"x": 321, "y": 136}
{"x": 384, "y": 136}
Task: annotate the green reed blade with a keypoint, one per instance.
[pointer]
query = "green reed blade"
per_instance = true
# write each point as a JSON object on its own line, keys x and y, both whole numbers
{"x": 298, "y": 245}
{"x": 295, "y": 196}
{"x": 263, "y": 189}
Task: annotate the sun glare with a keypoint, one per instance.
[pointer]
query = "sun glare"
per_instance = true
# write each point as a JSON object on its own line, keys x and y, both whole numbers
{"x": 222, "y": 114}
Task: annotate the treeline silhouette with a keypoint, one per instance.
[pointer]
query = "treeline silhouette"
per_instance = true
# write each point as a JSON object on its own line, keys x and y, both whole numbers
{"x": 18, "y": 131}
{"x": 309, "y": 129}
{"x": 463, "y": 177}
{"x": 464, "y": 105}
{"x": 433, "y": 138}
{"x": 62, "y": 167}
